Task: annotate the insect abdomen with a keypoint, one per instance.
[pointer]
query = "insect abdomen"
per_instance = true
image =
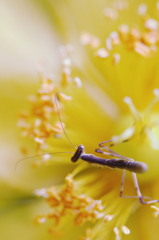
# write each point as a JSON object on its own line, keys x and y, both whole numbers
{"x": 136, "y": 167}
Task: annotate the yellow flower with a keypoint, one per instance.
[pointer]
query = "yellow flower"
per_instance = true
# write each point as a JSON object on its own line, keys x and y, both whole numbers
{"x": 108, "y": 89}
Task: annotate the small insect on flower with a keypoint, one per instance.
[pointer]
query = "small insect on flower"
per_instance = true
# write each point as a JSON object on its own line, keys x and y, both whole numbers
{"x": 119, "y": 162}
{"x": 125, "y": 163}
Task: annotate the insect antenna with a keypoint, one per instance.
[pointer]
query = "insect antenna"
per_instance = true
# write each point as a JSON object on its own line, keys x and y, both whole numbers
{"x": 39, "y": 155}
{"x": 51, "y": 153}
{"x": 56, "y": 98}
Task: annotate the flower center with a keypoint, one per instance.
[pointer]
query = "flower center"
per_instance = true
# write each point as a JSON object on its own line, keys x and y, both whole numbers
{"x": 142, "y": 137}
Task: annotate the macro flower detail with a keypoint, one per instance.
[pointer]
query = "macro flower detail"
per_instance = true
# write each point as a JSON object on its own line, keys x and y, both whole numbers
{"x": 39, "y": 123}
{"x": 66, "y": 201}
{"x": 143, "y": 125}
{"x": 142, "y": 39}
{"x": 156, "y": 213}
{"x": 116, "y": 102}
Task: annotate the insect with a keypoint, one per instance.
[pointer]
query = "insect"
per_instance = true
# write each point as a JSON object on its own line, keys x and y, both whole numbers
{"x": 119, "y": 162}
{"x": 129, "y": 164}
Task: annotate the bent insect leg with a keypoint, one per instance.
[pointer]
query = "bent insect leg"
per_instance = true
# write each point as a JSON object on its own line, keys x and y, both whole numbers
{"x": 122, "y": 187}
{"x": 101, "y": 144}
{"x": 139, "y": 196}
{"x": 122, "y": 184}
{"x": 139, "y": 192}
{"x": 112, "y": 153}
{"x": 109, "y": 151}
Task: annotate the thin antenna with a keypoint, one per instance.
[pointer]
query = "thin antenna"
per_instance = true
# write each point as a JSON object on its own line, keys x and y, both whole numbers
{"x": 39, "y": 155}
{"x": 63, "y": 131}
{"x": 61, "y": 120}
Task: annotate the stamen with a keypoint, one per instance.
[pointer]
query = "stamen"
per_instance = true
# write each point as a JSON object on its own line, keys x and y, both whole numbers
{"x": 142, "y": 9}
{"x": 127, "y": 134}
{"x": 109, "y": 44}
{"x": 151, "y": 39}
{"x": 64, "y": 200}
{"x": 95, "y": 42}
{"x": 120, "y": 5}
{"x": 57, "y": 128}
{"x": 156, "y": 209}
{"x": 63, "y": 97}
{"x": 66, "y": 62}
{"x": 85, "y": 38}
{"x": 88, "y": 39}
{"x": 142, "y": 49}
{"x": 117, "y": 233}
{"x": 77, "y": 82}
{"x": 41, "y": 192}
{"x": 102, "y": 53}
{"x": 132, "y": 108}
{"x": 116, "y": 58}
{"x": 66, "y": 76}
{"x": 156, "y": 92}
{"x": 135, "y": 34}
{"x": 153, "y": 138}
{"x": 125, "y": 230}
{"x": 39, "y": 140}
{"x": 152, "y": 103}
{"x": 46, "y": 157}
{"x": 142, "y": 126}
{"x": 143, "y": 42}
{"x": 40, "y": 219}
{"x": 115, "y": 37}
{"x": 69, "y": 181}
{"x": 110, "y": 13}
{"x": 123, "y": 32}
{"x": 151, "y": 24}
{"x": 108, "y": 218}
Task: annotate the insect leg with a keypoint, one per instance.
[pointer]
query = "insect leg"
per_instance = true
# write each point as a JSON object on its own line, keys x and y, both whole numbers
{"x": 101, "y": 144}
{"x": 109, "y": 151}
{"x": 139, "y": 192}
{"x": 122, "y": 186}
{"x": 112, "y": 153}
{"x": 122, "y": 183}
{"x": 136, "y": 186}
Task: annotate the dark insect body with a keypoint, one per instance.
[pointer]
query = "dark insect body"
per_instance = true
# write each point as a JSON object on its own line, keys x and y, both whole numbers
{"x": 132, "y": 166}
